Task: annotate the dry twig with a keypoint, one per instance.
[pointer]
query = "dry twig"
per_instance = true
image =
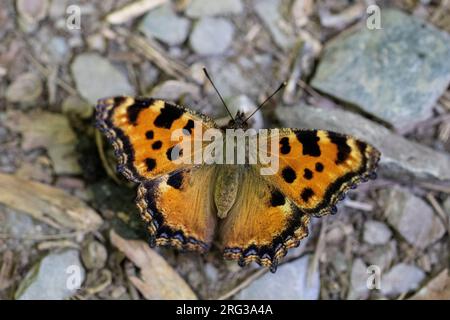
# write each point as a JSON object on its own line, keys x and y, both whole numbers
{"x": 132, "y": 10}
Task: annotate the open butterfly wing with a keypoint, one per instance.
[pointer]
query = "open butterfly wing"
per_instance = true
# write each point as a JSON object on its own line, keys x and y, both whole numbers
{"x": 263, "y": 223}
{"x": 317, "y": 167}
{"x": 140, "y": 130}
{"x": 179, "y": 209}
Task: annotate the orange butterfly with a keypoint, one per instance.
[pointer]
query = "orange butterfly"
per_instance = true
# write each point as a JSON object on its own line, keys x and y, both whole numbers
{"x": 254, "y": 217}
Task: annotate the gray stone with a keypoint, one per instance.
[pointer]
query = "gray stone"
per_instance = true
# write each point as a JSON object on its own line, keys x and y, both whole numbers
{"x": 3, "y": 134}
{"x": 53, "y": 132}
{"x": 376, "y": 232}
{"x": 402, "y": 278}
{"x": 211, "y": 36}
{"x": 358, "y": 281}
{"x": 396, "y": 73}
{"x": 59, "y": 49}
{"x": 26, "y": 88}
{"x": 164, "y": 24}
{"x": 18, "y": 224}
{"x": 231, "y": 79}
{"x": 174, "y": 90}
{"x": 382, "y": 256}
{"x": 400, "y": 158}
{"x": 200, "y": 8}
{"x": 269, "y": 12}
{"x": 97, "y": 78}
{"x": 211, "y": 273}
{"x": 289, "y": 282}
{"x": 412, "y": 217}
{"x": 55, "y": 277}
{"x": 32, "y": 11}
{"x": 338, "y": 260}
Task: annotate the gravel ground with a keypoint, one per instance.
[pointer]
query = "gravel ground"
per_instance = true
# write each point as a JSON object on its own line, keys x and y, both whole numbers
{"x": 69, "y": 228}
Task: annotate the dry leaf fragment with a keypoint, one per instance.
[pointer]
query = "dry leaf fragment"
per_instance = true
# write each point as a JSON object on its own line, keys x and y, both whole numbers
{"x": 436, "y": 289}
{"x": 48, "y": 204}
{"x": 132, "y": 10}
{"x": 6, "y": 269}
{"x": 158, "y": 280}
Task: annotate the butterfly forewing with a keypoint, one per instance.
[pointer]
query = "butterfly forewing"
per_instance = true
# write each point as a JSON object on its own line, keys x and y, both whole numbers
{"x": 141, "y": 129}
{"x": 317, "y": 167}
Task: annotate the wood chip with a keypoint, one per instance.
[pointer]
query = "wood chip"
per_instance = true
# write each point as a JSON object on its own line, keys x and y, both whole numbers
{"x": 158, "y": 280}
{"x": 151, "y": 50}
{"x": 342, "y": 19}
{"x": 57, "y": 244}
{"x": 6, "y": 269}
{"x": 48, "y": 204}
{"x": 439, "y": 210}
{"x": 436, "y": 289}
{"x": 132, "y": 10}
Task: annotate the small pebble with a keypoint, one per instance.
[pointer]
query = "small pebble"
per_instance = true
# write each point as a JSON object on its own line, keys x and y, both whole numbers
{"x": 212, "y": 36}
{"x": 94, "y": 255}
{"x": 163, "y": 24}
{"x": 26, "y": 88}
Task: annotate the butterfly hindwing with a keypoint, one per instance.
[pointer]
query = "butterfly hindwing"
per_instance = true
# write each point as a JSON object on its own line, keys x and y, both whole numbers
{"x": 178, "y": 208}
{"x": 140, "y": 130}
{"x": 262, "y": 225}
{"x": 173, "y": 197}
{"x": 317, "y": 167}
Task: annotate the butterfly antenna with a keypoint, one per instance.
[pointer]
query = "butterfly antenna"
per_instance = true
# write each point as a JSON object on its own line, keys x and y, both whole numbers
{"x": 220, "y": 96}
{"x": 264, "y": 102}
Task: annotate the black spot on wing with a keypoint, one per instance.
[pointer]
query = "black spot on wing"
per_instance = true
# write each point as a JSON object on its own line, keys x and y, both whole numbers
{"x": 168, "y": 114}
{"x": 343, "y": 148}
{"x": 277, "y": 198}
{"x": 306, "y": 194}
{"x": 135, "y": 109}
{"x": 176, "y": 180}
{"x": 150, "y": 163}
{"x": 319, "y": 167}
{"x": 288, "y": 174}
{"x": 307, "y": 174}
{"x": 309, "y": 141}
{"x": 119, "y": 100}
{"x": 189, "y": 126}
{"x": 157, "y": 145}
{"x": 149, "y": 134}
{"x": 285, "y": 148}
{"x": 169, "y": 153}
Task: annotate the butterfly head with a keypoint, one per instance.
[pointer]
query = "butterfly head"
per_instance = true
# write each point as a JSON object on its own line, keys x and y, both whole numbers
{"x": 238, "y": 122}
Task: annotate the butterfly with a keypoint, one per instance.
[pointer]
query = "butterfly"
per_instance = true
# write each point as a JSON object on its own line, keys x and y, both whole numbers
{"x": 252, "y": 217}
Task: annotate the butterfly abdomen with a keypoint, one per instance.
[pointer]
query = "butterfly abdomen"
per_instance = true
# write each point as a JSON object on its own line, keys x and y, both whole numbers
{"x": 225, "y": 189}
